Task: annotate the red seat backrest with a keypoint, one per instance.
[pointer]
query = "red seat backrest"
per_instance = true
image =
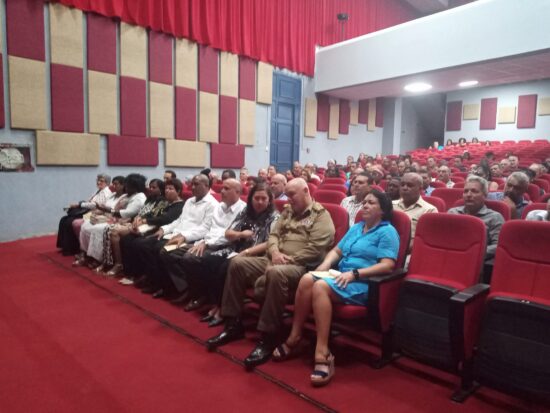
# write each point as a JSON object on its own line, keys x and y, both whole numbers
{"x": 437, "y": 184}
{"x": 531, "y": 207}
{"x": 217, "y": 196}
{"x": 340, "y": 219}
{"x": 534, "y": 192}
{"x": 542, "y": 183}
{"x": 280, "y": 204}
{"x": 544, "y": 198}
{"x": 449, "y": 195}
{"x": 332, "y": 197}
{"x": 217, "y": 187}
{"x": 337, "y": 181}
{"x": 334, "y": 187}
{"x": 312, "y": 188}
{"x": 436, "y": 202}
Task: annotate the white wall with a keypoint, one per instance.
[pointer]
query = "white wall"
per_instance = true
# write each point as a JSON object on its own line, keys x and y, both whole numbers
{"x": 507, "y": 96}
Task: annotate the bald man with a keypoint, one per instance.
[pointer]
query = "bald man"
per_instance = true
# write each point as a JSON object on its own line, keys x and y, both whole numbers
{"x": 298, "y": 242}
{"x": 277, "y": 185}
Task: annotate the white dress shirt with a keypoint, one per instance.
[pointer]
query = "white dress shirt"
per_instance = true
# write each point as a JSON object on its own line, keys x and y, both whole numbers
{"x": 222, "y": 218}
{"x": 135, "y": 202}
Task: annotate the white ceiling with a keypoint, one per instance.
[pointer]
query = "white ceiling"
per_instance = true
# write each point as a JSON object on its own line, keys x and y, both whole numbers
{"x": 429, "y": 6}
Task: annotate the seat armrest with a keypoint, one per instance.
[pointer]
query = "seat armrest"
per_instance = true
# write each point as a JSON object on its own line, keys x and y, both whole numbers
{"x": 394, "y": 275}
{"x": 471, "y": 293}
{"x": 383, "y": 296}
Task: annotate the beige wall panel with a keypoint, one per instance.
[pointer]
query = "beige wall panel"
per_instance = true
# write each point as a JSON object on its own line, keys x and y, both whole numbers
{"x": 133, "y": 51}
{"x": 208, "y": 117}
{"x": 353, "y": 112}
{"x": 507, "y": 114}
{"x": 544, "y": 106}
{"x": 470, "y": 112}
{"x": 186, "y": 63}
{"x": 27, "y": 83}
{"x": 310, "y": 128}
{"x": 183, "y": 153}
{"x": 66, "y": 35}
{"x": 265, "y": 83}
{"x": 61, "y": 148}
{"x": 161, "y": 110}
{"x": 247, "y": 122}
{"x": 229, "y": 74}
{"x": 102, "y": 102}
{"x": 372, "y": 115}
{"x": 334, "y": 119}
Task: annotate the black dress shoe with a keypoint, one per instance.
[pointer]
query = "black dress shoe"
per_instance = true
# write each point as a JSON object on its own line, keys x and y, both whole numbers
{"x": 260, "y": 355}
{"x": 149, "y": 290}
{"x": 182, "y": 298}
{"x": 232, "y": 332}
{"x": 194, "y": 304}
{"x": 159, "y": 294}
{"x": 214, "y": 322}
{"x": 207, "y": 318}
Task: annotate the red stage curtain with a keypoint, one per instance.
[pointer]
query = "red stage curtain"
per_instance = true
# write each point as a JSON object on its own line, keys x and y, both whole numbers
{"x": 283, "y": 32}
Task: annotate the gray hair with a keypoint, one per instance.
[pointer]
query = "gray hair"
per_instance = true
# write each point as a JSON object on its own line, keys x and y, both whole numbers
{"x": 415, "y": 177}
{"x": 105, "y": 177}
{"x": 522, "y": 178}
{"x": 481, "y": 181}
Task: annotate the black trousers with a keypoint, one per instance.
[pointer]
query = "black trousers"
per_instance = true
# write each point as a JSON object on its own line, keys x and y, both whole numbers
{"x": 66, "y": 238}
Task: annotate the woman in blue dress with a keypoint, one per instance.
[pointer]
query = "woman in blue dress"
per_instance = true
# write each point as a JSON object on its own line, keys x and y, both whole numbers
{"x": 368, "y": 249}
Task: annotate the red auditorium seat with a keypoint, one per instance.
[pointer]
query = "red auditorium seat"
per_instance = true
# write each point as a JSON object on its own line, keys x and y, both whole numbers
{"x": 340, "y": 220}
{"x": 544, "y": 198}
{"x": 513, "y": 350}
{"x": 337, "y": 181}
{"x": 437, "y": 184}
{"x": 333, "y": 187}
{"x": 459, "y": 184}
{"x": 436, "y": 202}
{"x": 185, "y": 195}
{"x": 448, "y": 195}
{"x": 531, "y": 207}
{"x": 542, "y": 183}
{"x": 498, "y": 206}
{"x": 217, "y": 196}
{"x": 280, "y": 204}
{"x": 534, "y": 192}
{"x": 327, "y": 196}
{"x": 217, "y": 187}
{"x": 312, "y": 188}
{"x": 440, "y": 295}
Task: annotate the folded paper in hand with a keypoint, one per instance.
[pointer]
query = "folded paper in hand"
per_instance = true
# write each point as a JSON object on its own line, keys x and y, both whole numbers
{"x": 326, "y": 274}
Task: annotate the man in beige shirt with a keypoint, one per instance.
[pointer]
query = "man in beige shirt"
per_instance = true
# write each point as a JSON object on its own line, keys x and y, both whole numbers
{"x": 411, "y": 203}
{"x": 297, "y": 243}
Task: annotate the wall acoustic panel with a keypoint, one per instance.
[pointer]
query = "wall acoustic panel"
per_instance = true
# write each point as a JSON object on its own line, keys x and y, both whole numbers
{"x": 160, "y": 58}
{"x": 323, "y": 112}
{"x": 102, "y": 102}
{"x": 488, "y": 114}
{"x": 25, "y": 29}
{"x": 101, "y": 39}
{"x": 228, "y": 120}
{"x": 27, "y": 83}
{"x": 454, "y": 116}
{"x": 363, "y": 111}
{"x": 186, "y": 114}
{"x": 507, "y": 114}
{"x": 133, "y": 51}
{"x": 544, "y": 106}
{"x": 371, "y": 120}
{"x": 132, "y": 106}
{"x": 334, "y": 115}
{"x": 67, "y": 88}
{"x": 161, "y": 110}
{"x": 185, "y": 154}
{"x": 310, "y": 118}
{"x": 186, "y": 64}
{"x": 208, "y": 117}
{"x": 132, "y": 151}
{"x": 62, "y": 148}
{"x": 343, "y": 121}
{"x": 247, "y": 122}
{"x": 208, "y": 69}
{"x": 265, "y": 83}
{"x": 2, "y": 109}
{"x": 527, "y": 111}
{"x": 226, "y": 156}
{"x": 247, "y": 78}
{"x": 66, "y": 35}
{"x": 470, "y": 111}
{"x": 379, "y": 120}
{"x": 229, "y": 74}
{"x": 354, "y": 113}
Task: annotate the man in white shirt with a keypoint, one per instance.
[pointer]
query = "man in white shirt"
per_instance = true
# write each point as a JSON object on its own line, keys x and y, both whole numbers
{"x": 277, "y": 185}
{"x": 182, "y": 266}
{"x": 539, "y": 214}
{"x": 444, "y": 175}
{"x": 360, "y": 187}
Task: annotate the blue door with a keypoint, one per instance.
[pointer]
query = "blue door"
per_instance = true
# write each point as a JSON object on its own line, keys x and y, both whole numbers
{"x": 285, "y": 121}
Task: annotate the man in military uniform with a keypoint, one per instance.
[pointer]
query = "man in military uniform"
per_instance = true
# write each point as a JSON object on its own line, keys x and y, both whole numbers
{"x": 298, "y": 243}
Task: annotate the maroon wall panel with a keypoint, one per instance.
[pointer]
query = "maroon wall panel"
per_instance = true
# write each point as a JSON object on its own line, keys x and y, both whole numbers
{"x": 363, "y": 111}
{"x": 454, "y": 116}
{"x": 247, "y": 78}
{"x": 25, "y": 31}
{"x": 226, "y": 156}
{"x": 160, "y": 58}
{"x": 527, "y": 111}
{"x": 379, "y": 118}
{"x": 2, "y": 112}
{"x": 208, "y": 69}
{"x": 132, "y": 106}
{"x": 132, "y": 151}
{"x": 488, "y": 114}
{"x": 344, "y": 117}
{"x": 228, "y": 120}
{"x": 101, "y": 43}
{"x": 186, "y": 114}
{"x": 67, "y": 98}
{"x": 323, "y": 113}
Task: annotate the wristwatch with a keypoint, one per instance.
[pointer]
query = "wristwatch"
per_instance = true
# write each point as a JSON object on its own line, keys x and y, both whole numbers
{"x": 355, "y": 274}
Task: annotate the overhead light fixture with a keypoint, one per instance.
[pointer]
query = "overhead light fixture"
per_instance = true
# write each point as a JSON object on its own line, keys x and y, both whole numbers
{"x": 468, "y": 83}
{"x": 418, "y": 87}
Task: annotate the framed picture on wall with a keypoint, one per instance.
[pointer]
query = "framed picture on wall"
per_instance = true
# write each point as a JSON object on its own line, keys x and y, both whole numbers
{"x": 15, "y": 158}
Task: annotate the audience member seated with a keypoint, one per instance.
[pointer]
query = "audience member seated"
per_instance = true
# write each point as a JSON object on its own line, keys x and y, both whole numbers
{"x": 277, "y": 184}
{"x": 332, "y": 170}
{"x": 297, "y": 169}
{"x": 312, "y": 169}
{"x": 475, "y": 192}
{"x": 393, "y": 187}
{"x": 514, "y": 163}
{"x": 457, "y": 163}
{"x": 168, "y": 175}
{"x": 288, "y": 175}
{"x": 484, "y": 172}
{"x": 181, "y": 268}
{"x": 496, "y": 172}
{"x": 513, "y": 194}
{"x": 271, "y": 171}
{"x": 504, "y": 167}
{"x": 539, "y": 214}
{"x": 69, "y": 225}
{"x": 426, "y": 181}
{"x": 411, "y": 203}
{"x": 444, "y": 175}
{"x": 368, "y": 249}
{"x": 243, "y": 176}
{"x": 360, "y": 187}
{"x": 298, "y": 242}
{"x": 262, "y": 175}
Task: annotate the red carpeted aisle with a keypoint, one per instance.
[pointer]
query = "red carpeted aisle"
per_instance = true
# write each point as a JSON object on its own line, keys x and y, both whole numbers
{"x": 71, "y": 340}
